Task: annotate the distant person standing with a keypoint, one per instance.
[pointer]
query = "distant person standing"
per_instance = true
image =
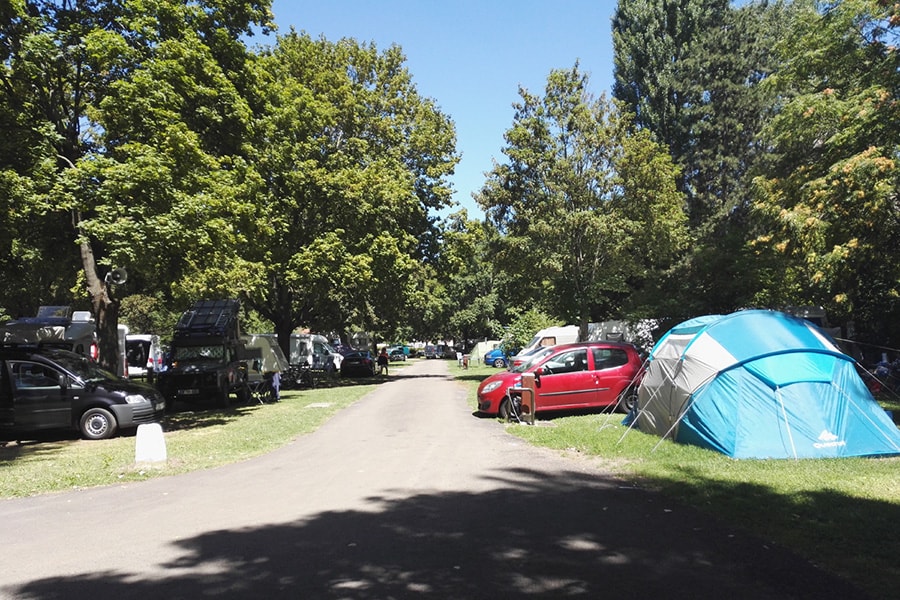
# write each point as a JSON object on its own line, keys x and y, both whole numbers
{"x": 383, "y": 361}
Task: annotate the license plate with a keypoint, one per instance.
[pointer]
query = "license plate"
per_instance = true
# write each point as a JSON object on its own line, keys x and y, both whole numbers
{"x": 189, "y": 392}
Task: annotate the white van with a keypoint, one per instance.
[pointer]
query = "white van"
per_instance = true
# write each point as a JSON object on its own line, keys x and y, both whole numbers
{"x": 314, "y": 350}
{"x": 143, "y": 355}
{"x": 551, "y": 336}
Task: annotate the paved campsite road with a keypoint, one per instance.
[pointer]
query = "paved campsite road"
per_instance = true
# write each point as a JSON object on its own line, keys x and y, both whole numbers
{"x": 405, "y": 494}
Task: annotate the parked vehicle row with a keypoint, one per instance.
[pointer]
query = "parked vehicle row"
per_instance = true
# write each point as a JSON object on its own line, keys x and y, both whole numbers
{"x": 567, "y": 376}
{"x": 398, "y": 353}
{"x": 49, "y": 377}
{"x": 439, "y": 351}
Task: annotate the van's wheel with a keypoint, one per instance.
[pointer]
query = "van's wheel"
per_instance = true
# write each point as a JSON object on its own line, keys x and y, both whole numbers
{"x": 627, "y": 399}
{"x": 97, "y": 424}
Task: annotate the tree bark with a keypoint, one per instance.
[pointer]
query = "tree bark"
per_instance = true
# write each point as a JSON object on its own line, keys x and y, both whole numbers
{"x": 105, "y": 310}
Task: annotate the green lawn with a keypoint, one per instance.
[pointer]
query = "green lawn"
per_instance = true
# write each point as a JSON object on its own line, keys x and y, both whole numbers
{"x": 195, "y": 439}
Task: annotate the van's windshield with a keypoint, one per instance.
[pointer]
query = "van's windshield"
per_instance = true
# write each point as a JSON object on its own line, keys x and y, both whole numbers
{"x": 540, "y": 340}
{"x": 82, "y": 368}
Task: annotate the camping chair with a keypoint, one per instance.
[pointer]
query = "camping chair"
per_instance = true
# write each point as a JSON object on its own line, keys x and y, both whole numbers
{"x": 260, "y": 390}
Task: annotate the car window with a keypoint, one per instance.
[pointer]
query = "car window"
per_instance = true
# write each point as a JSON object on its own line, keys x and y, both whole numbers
{"x": 136, "y": 353}
{"x": 567, "y": 362}
{"x": 28, "y": 375}
{"x": 532, "y": 359}
{"x": 82, "y": 368}
{"x": 609, "y": 358}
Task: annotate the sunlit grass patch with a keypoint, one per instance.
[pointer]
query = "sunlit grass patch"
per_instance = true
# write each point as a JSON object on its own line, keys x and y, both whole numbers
{"x": 199, "y": 438}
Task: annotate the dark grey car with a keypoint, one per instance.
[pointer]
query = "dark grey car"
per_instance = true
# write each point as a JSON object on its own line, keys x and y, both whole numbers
{"x": 43, "y": 388}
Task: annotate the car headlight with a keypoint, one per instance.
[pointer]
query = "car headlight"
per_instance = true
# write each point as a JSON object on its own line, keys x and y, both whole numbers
{"x": 491, "y": 387}
{"x": 135, "y": 399}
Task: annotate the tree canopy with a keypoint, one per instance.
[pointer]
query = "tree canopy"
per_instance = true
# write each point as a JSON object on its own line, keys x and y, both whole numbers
{"x": 300, "y": 178}
{"x": 828, "y": 194}
{"x": 747, "y": 158}
{"x": 585, "y": 205}
{"x": 351, "y": 161}
{"x": 130, "y": 113}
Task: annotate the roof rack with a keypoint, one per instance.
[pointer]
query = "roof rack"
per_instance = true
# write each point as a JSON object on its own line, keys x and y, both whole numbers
{"x": 209, "y": 317}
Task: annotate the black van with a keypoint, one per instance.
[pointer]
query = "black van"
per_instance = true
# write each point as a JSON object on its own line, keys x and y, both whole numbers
{"x": 48, "y": 388}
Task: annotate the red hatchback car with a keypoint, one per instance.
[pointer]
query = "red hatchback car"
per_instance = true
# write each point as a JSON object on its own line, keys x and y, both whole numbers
{"x": 568, "y": 376}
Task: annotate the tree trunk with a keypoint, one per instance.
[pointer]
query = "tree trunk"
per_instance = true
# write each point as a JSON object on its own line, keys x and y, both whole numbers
{"x": 583, "y": 322}
{"x": 279, "y": 304}
{"x": 106, "y": 312}
{"x": 283, "y": 329}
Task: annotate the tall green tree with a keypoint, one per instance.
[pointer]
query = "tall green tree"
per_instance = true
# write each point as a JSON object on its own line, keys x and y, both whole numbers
{"x": 471, "y": 295}
{"x": 351, "y": 162}
{"x": 690, "y": 70}
{"x": 828, "y": 196}
{"x": 584, "y": 205}
{"x": 132, "y": 111}
{"x": 652, "y": 39}
{"x": 693, "y": 72}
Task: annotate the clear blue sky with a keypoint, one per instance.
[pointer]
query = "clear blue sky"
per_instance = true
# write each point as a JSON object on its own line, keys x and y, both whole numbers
{"x": 471, "y": 56}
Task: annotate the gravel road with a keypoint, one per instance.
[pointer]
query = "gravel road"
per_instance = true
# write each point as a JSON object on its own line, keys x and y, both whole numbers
{"x": 404, "y": 494}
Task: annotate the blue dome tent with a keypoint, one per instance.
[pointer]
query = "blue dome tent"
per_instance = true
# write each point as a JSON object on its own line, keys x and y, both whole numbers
{"x": 760, "y": 384}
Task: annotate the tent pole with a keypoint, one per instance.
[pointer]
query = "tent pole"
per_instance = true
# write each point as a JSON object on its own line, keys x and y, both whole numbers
{"x": 787, "y": 424}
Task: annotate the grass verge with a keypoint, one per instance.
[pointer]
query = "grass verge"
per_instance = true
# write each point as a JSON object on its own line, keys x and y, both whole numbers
{"x": 198, "y": 439}
{"x": 842, "y": 514}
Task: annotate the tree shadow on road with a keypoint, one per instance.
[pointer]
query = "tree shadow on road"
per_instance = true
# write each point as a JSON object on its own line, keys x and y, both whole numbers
{"x": 527, "y": 536}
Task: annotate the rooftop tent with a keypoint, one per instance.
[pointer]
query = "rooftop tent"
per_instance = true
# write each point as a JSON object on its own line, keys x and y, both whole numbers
{"x": 760, "y": 384}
